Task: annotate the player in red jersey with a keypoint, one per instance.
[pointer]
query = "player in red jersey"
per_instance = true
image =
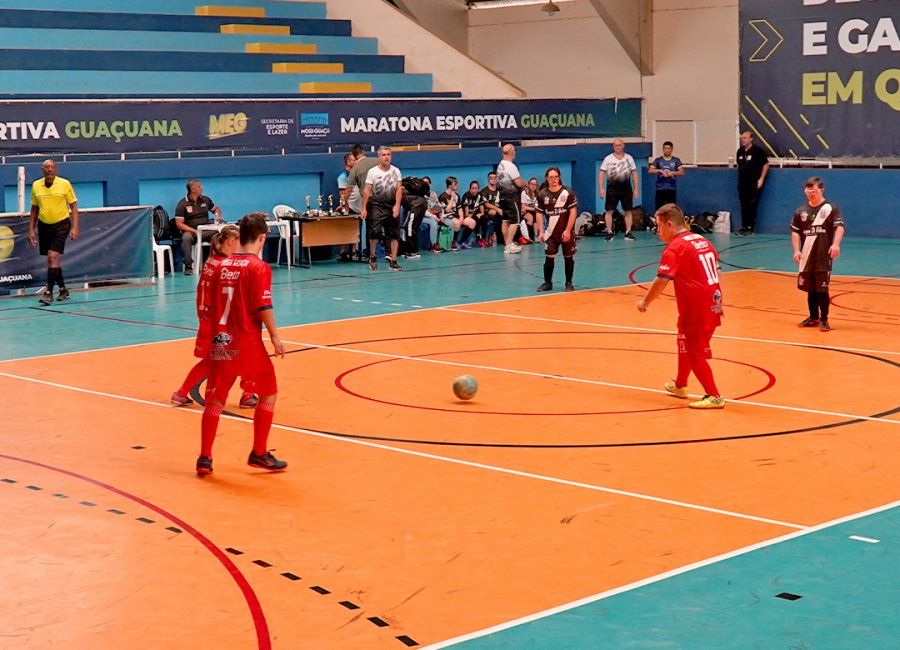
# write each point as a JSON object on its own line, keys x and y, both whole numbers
{"x": 223, "y": 244}
{"x": 240, "y": 300}
{"x": 692, "y": 262}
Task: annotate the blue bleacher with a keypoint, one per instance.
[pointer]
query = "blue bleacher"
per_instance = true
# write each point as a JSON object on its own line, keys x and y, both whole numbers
{"x": 174, "y": 48}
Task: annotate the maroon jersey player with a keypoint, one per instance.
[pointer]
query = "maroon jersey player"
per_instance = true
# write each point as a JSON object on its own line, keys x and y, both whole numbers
{"x": 692, "y": 263}
{"x": 240, "y": 304}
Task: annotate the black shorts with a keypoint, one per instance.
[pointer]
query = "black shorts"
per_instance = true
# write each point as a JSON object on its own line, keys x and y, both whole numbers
{"x": 511, "y": 211}
{"x": 554, "y": 244}
{"x": 380, "y": 222}
{"x": 814, "y": 281}
{"x": 613, "y": 198}
{"x": 665, "y": 196}
{"x": 52, "y": 236}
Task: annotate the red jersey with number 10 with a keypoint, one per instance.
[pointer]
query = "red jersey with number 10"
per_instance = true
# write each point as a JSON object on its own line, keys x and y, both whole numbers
{"x": 693, "y": 264}
{"x": 240, "y": 289}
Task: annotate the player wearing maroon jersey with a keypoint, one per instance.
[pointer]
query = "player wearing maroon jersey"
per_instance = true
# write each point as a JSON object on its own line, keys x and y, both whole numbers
{"x": 223, "y": 244}
{"x": 240, "y": 300}
{"x": 558, "y": 204}
{"x": 816, "y": 233}
{"x": 692, "y": 262}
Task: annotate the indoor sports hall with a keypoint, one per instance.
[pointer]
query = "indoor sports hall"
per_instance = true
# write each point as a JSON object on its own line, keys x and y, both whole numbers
{"x": 571, "y": 504}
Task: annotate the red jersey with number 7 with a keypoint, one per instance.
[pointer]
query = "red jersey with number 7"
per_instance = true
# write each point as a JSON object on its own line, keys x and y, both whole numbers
{"x": 240, "y": 289}
{"x": 693, "y": 264}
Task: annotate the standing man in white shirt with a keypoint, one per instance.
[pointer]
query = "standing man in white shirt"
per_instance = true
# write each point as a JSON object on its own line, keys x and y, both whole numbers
{"x": 510, "y": 184}
{"x": 381, "y": 208}
{"x": 621, "y": 186}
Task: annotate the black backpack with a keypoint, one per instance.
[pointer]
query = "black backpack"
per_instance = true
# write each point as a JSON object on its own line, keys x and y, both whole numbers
{"x": 702, "y": 224}
{"x": 161, "y": 224}
{"x": 415, "y": 186}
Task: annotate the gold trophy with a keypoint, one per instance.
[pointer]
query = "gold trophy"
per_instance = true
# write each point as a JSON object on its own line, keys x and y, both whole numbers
{"x": 319, "y": 209}
{"x": 307, "y": 204}
{"x": 331, "y": 204}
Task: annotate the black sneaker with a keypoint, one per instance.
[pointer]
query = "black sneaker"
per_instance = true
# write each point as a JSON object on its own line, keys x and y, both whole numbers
{"x": 373, "y": 263}
{"x": 204, "y": 465}
{"x": 394, "y": 266}
{"x": 189, "y": 270}
{"x": 266, "y": 461}
{"x": 546, "y": 286}
{"x": 46, "y": 298}
{"x": 630, "y": 237}
{"x": 609, "y": 236}
{"x": 824, "y": 326}
{"x": 63, "y": 294}
{"x": 809, "y": 322}
{"x": 570, "y": 286}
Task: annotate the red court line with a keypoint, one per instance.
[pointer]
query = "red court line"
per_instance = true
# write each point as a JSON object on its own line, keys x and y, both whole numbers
{"x": 259, "y": 617}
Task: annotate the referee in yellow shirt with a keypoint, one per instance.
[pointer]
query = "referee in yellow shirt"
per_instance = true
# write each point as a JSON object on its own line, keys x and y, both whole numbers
{"x": 51, "y": 199}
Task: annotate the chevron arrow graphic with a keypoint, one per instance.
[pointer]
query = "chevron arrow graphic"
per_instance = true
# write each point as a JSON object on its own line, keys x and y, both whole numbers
{"x": 771, "y": 39}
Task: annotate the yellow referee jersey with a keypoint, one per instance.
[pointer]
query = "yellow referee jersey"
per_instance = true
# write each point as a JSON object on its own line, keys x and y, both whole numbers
{"x": 52, "y": 202}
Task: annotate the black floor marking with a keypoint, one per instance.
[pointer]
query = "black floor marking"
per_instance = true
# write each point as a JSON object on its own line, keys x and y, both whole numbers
{"x": 788, "y": 596}
{"x": 139, "y": 447}
{"x": 375, "y": 620}
{"x": 144, "y": 520}
{"x": 116, "y": 512}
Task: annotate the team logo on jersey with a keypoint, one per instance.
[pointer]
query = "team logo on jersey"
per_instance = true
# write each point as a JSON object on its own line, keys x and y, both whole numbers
{"x": 221, "y": 340}
{"x": 804, "y": 216}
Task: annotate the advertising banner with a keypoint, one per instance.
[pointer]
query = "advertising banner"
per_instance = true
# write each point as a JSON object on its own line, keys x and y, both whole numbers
{"x": 131, "y": 126}
{"x": 821, "y": 78}
{"x": 113, "y": 244}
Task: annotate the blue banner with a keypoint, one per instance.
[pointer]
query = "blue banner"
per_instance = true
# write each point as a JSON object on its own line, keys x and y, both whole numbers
{"x": 821, "y": 78}
{"x": 131, "y": 126}
{"x": 113, "y": 244}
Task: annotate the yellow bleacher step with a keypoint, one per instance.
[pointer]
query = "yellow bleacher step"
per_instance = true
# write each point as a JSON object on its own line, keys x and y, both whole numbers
{"x": 325, "y": 87}
{"x": 280, "y": 48}
{"x": 325, "y": 68}
{"x": 280, "y": 30}
{"x": 230, "y": 12}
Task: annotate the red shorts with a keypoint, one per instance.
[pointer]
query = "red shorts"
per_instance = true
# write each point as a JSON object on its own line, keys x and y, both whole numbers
{"x": 220, "y": 382}
{"x": 694, "y": 336}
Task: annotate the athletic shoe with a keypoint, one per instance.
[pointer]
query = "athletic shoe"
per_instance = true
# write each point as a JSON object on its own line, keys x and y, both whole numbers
{"x": 630, "y": 237}
{"x": 809, "y": 322}
{"x": 248, "y": 401}
{"x": 570, "y": 286}
{"x": 343, "y": 257}
{"x": 824, "y": 326}
{"x": 512, "y": 249}
{"x": 546, "y": 286}
{"x": 709, "y": 402}
{"x": 466, "y": 245}
{"x": 373, "y": 263}
{"x": 454, "y": 247}
{"x": 63, "y": 294}
{"x": 266, "y": 461}
{"x": 481, "y": 243}
{"x": 189, "y": 270}
{"x": 680, "y": 393}
{"x": 609, "y": 236}
{"x": 437, "y": 249}
{"x": 204, "y": 465}
{"x": 411, "y": 256}
{"x": 393, "y": 266}
{"x": 46, "y": 298}
{"x": 180, "y": 400}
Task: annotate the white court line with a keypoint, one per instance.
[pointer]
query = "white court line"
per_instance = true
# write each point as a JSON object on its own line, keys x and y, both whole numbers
{"x": 868, "y": 540}
{"x": 458, "y": 310}
{"x": 593, "y": 382}
{"x": 421, "y": 454}
{"x": 657, "y": 578}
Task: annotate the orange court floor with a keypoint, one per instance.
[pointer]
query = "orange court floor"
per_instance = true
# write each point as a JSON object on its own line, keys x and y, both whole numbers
{"x": 408, "y": 517}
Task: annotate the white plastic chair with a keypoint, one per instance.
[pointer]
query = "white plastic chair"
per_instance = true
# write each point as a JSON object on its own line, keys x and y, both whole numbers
{"x": 284, "y": 231}
{"x": 160, "y": 251}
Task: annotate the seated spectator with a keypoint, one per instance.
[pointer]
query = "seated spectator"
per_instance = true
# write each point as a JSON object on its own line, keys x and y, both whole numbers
{"x": 491, "y": 207}
{"x": 473, "y": 211}
{"x": 527, "y": 226}
{"x": 192, "y": 211}
{"x": 450, "y": 211}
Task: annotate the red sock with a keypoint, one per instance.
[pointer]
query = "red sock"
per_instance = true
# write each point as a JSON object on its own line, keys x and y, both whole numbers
{"x": 684, "y": 369}
{"x": 198, "y": 372}
{"x": 704, "y": 375}
{"x": 262, "y": 423}
{"x": 209, "y": 424}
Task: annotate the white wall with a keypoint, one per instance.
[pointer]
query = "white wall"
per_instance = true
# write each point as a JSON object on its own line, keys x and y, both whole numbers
{"x": 425, "y": 52}
{"x": 570, "y": 54}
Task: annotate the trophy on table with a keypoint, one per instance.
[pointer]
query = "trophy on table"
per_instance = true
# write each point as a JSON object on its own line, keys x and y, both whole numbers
{"x": 307, "y": 205}
{"x": 331, "y": 204}
{"x": 319, "y": 210}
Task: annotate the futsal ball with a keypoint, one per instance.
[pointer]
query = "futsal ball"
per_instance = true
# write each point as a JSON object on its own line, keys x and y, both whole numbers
{"x": 465, "y": 387}
{"x": 7, "y": 241}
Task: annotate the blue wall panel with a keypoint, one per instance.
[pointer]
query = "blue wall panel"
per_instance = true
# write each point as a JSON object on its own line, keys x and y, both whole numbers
{"x": 90, "y": 195}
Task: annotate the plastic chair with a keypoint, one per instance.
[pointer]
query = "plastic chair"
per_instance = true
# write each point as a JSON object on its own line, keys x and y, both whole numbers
{"x": 284, "y": 230}
{"x": 160, "y": 250}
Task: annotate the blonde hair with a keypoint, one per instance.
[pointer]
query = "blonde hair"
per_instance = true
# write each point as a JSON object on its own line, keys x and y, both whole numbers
{"x": 228, "y": 232}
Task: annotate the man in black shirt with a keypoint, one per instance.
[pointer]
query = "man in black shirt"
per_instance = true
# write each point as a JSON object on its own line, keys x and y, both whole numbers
{"x": 753, "y": 165}
{"x": 192, "y": 211}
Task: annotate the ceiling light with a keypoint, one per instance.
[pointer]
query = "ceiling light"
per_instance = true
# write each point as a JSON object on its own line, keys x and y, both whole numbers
{"x": 550, "y": 8}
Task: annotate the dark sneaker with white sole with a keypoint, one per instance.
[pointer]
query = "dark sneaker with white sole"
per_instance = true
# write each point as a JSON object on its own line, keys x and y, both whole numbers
{"x": 266, "y": 461}
{"x": 204, "y": 465}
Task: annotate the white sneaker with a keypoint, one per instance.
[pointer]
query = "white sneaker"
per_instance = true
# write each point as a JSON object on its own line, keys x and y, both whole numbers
{"x": 512, "y": 249}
